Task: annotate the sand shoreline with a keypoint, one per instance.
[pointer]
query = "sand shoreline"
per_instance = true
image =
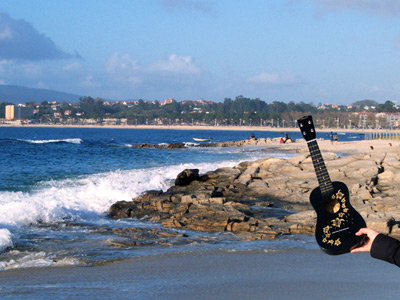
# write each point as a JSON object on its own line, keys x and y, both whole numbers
{"x": 198, "y": 127}
{"x": 300, "y": 274}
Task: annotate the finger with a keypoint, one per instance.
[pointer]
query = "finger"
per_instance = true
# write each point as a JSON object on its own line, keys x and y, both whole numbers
{"x": 362, "y": 231}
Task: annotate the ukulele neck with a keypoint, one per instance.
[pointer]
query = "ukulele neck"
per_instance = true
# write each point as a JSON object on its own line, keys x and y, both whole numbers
{"x": 325, "y": 183}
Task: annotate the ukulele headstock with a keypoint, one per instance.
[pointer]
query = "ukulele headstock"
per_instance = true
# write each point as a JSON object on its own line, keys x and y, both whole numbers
{"x": 306, "y": 126}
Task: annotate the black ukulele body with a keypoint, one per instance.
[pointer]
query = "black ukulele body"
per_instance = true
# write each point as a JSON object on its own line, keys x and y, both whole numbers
{"x": 337, "y": 220}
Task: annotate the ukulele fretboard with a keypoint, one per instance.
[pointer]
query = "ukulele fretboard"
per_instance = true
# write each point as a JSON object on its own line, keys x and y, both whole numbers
{"x": 324, "y": 180}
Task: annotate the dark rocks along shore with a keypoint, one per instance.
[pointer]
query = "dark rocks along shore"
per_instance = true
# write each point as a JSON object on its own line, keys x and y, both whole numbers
{"x": 269, "y": 197}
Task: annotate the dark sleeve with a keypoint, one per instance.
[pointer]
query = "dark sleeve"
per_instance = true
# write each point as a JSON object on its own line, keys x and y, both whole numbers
{"x": 386, "y": 248}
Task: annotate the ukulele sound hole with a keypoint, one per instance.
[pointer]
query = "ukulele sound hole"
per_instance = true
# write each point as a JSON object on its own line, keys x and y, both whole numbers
{"x": 332, "y": 206}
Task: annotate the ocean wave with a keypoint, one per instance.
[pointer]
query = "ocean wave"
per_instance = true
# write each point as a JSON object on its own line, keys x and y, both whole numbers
{"x": 36, "y": 260}
{"x": 60, "y": 141}
{"x": 5, "y": 239}
{"x": 87, "y": 197}
{"x": 70, "y": 141}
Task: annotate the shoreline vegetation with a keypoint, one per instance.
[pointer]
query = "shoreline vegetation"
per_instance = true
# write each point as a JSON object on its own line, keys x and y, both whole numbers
{"x": 199, "y": 127}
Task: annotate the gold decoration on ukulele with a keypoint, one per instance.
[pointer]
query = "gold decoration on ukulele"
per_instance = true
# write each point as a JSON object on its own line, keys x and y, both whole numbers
{"x": 339, "y": 195}
{"x": 337, "y": 222}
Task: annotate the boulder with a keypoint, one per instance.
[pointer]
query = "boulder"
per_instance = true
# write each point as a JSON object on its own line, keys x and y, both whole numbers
{"x": 187, "y": 176}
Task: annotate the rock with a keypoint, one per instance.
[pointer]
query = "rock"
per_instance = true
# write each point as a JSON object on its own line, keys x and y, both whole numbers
{"x": 304, "y": 217}
{"x": 299, "y": 228}
{"x": 187, "y": 176}
{"x": 228, "y": 199}
{"x": 171, "y": 223}
{"x": 260, "y": 235}
{"x": 122, "y": 209}
{"x": 248, "y": 174}
{"x": 240, "y": 227}
{"x": 259, "y": 187}
{"x": 188, "y": 199}
{"x": 207, "y": 221}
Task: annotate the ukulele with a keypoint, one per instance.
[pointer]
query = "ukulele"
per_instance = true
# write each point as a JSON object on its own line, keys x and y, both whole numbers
{"x": 337, "y": 220}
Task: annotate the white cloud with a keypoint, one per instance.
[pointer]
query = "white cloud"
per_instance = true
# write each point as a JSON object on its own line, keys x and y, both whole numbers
{"x": 73, "y": 67}
{"x": 19, "y": 40}
{"x": 31, "y": 70}
{"x": 5, "y": 33}
{"x": 89, "y": 82}
{"x": 3, "y": 65}
{"x": 176, "y": 64}
{"x": 123, "y": 68}
{"x": 274, "y": 79}
{"x": 121, "y": 63}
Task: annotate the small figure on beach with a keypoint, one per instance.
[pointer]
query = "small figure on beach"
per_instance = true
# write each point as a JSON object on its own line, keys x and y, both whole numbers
{"x": 380, "y": 246}
{"x": 253, "y": 136}
{"x": 335, "y": 137}
{"x": 285, "y": 139}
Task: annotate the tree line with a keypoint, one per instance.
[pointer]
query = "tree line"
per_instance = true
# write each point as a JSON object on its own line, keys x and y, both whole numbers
{"x": 238, "y": 111}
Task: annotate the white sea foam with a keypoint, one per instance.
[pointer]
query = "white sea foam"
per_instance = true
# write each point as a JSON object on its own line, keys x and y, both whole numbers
{"x": 71, "y": 141}
{"x": 36, "y": 260}
{"x": 5, "y": 239}
{"x": 87, "y": 197}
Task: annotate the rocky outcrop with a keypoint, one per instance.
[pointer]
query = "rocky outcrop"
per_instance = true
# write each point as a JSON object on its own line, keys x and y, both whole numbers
{"x": 268, "y": 197}
{"x": 243, "y": 143}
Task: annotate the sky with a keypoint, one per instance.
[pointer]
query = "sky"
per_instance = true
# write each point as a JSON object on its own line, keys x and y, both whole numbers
{"x": 315, "y": 51}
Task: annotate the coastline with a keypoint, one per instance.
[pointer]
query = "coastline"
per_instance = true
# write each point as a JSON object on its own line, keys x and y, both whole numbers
{"x": 199, "y": 127}
{"x": 226, "y": 274}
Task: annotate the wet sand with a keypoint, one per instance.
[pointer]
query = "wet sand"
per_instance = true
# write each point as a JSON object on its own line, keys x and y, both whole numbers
{"x": 298, "y": 275}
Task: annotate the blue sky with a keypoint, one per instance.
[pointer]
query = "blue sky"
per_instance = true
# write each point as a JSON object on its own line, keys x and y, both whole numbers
{"x": 328, "y": 51}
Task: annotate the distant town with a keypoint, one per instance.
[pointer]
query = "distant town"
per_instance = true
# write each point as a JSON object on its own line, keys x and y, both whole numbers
{"x": 241, "y": 111}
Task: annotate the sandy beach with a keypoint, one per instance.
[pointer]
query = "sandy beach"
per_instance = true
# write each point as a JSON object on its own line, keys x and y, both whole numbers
{"x": 206, "y": 127}
{"x": 213, "y": 275}
{"x": 349, "y": 148}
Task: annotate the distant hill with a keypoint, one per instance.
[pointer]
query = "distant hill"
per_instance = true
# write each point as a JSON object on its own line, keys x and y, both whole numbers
{"x": 366, "y": 102}
{"x": 19, "y": 94}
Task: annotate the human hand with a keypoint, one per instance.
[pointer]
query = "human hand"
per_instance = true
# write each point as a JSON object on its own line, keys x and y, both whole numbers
{"x": 366, "y": 247}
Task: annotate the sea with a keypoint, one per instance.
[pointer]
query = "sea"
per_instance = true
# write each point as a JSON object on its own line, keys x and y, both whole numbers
{"x": 57, "y": 184}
